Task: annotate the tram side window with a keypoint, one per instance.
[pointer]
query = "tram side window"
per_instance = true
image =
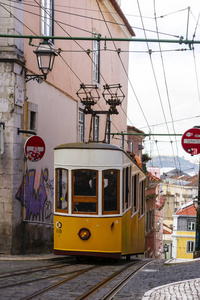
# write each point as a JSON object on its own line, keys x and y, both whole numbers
{"x": 61, "y": 190}
{"x": 142, "y": 195}
{"x": 110, "y": 191}
{"x": 84, "y": 191}
{"x": 135, "y": 182}
{"x": 126, "y": 188}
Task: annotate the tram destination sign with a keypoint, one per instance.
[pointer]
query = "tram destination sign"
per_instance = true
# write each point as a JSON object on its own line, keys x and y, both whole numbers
{"x": 191, "y": 141}
{"x": 34, "y": 148}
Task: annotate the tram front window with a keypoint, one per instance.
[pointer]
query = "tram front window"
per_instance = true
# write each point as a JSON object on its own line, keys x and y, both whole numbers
{"x": 110, "y": 191}
{"x": 84, "y": 191}
{"x": 84, "y": 183}
{"x": 84, "y": 207}
{"x": 61, "y": 190}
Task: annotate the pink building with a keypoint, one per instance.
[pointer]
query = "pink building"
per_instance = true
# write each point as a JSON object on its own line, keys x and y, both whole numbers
{"x": 52, "y": 109}
{"x": 154, "y": 217}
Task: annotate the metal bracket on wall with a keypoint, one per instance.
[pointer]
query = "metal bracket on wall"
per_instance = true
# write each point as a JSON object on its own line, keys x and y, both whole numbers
{"x": 26, "y": 131}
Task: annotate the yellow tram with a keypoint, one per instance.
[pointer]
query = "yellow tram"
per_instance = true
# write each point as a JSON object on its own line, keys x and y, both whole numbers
{"x": 99, "y": 201}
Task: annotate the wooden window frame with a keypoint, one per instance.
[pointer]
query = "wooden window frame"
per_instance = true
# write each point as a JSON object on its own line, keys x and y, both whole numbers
{"x": 84, "y": 199}
{"x": 112, "y": 212}
{"x": 56, "y": 190}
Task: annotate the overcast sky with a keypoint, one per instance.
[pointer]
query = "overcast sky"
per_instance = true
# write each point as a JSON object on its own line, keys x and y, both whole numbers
{"x": 165, "y": 86}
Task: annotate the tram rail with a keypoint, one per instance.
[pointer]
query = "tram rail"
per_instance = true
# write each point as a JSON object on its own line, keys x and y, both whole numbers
{"x": 115, "y": 289}
{"x": 114, "y": 278}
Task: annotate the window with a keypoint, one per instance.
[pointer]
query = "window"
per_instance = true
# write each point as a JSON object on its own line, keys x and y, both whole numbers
{"x": 152, "y": 217}
{"x": 135, "y": 180}
{"x": 108, "y": 122}
{"x": 122, "y": 141}
{"x": 32, "y": 120}
{"x": 190, "y": 246}
{"x": 126, "y": 188}
{"x": 149, "y": 224}
{"x": 95, "y": 128}
{"x": 81, "y": 125}
{"x": 96, "y": 60}
{"x": 142, "y": 195}
{"x": 110, "y": 185}
{"x": 47, "y": 17}
{"x": 61, "y": 190}
{"x": 32, "y": 116}
{"x": 84, "y": 191}
{"x": 191, "y": 226}
{"x": 131, "y": 147}
{"x": 147, "y": 221}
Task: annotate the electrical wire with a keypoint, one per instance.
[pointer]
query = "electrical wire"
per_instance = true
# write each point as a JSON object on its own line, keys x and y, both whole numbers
{"x": 166, "y": 86}
{"x": 96, "y": 19}
{"x": 83, "y": 50}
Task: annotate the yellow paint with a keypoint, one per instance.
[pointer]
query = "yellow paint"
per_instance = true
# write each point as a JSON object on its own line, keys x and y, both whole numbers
{"x": 133, "y": 234}
{"x": 104, "y": 237}
{"x": 123, "y": 235}
{"x": 182, "y": 244}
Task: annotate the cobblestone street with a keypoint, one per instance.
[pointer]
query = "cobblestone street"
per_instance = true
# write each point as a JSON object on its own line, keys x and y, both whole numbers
{"x": 158, "y": 280}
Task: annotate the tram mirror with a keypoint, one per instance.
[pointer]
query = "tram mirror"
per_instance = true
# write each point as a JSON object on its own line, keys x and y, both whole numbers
{"x": 1, "y": 139}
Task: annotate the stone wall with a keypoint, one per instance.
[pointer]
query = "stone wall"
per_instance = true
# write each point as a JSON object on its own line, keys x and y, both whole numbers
{"x": 11, "y": 113}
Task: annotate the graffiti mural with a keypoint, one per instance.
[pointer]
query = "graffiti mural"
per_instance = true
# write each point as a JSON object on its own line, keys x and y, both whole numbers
{"x": 35, "y": 197}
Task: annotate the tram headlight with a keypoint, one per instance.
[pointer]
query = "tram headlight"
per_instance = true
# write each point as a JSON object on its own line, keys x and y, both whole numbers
{"x": 84, "y": 234}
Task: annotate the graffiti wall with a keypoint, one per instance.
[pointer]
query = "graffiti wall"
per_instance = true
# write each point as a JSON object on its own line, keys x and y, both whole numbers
{"x": 36, "y": 193}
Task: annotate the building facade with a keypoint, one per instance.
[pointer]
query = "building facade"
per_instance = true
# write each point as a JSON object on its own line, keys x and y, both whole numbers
{"x": 52, "y": 109}
{"x": 184, "y": 232}
{"x": 154, "y": 217}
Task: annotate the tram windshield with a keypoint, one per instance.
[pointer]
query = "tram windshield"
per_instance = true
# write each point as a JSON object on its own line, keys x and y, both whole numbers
{"x": 61, "y": 190}
{"x": 110, "y": 191}
{"x": 84, "y": 183}
{"x": 84, "y": 191}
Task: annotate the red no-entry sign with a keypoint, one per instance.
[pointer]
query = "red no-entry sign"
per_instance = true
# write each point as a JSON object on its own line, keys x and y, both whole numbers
{"x": 191, "y": 141}
{"x": 34, "y": 148}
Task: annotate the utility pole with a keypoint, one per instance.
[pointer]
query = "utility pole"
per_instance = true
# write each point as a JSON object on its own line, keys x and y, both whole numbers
{"x": 197, "y": 240}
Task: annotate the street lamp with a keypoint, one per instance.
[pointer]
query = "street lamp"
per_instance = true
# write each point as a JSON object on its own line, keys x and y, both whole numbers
{"x": 45, "y": 57}
{"x": 196, "y": 203}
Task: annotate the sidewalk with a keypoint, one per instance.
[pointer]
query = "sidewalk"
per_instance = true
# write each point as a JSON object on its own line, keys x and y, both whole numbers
{"x": 181, "y": 290}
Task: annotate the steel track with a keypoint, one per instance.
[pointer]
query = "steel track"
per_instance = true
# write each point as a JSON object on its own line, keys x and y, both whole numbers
{"x": 118, "y": 286}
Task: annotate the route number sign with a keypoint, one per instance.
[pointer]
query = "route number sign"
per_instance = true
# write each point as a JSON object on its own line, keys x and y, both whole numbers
{"x": 34, "y": 148}
{"x": 191, "y": 141}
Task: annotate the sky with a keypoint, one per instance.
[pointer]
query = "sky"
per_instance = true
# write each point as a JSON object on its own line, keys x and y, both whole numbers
{"x": 164, "y": 87}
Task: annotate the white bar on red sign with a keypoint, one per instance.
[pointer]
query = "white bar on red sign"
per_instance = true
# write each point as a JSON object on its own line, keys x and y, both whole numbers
{"x": 191, "y": 141}
{"x": 31, "y": 148}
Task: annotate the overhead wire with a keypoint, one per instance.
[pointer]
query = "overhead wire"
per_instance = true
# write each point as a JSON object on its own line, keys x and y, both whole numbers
{"x": 123, "y": 67}
{"x": 75, "y": 42}
{"x": 151, "y": 61}
{"x": 184, "y": 119}
{"x": 166, "y": 87}
{"x": 84, "y": 49}
{"x": 194, "y": 57}
{"x": 2, "y": 5}
{"x": 96, "y": 19}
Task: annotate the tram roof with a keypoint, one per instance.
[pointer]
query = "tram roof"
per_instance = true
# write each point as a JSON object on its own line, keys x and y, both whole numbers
{"x": 88, "y": 146}
{"x": 94, "y": 146}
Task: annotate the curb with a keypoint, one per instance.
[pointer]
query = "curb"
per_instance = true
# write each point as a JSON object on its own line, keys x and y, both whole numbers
{"x": 147, "y": 295}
